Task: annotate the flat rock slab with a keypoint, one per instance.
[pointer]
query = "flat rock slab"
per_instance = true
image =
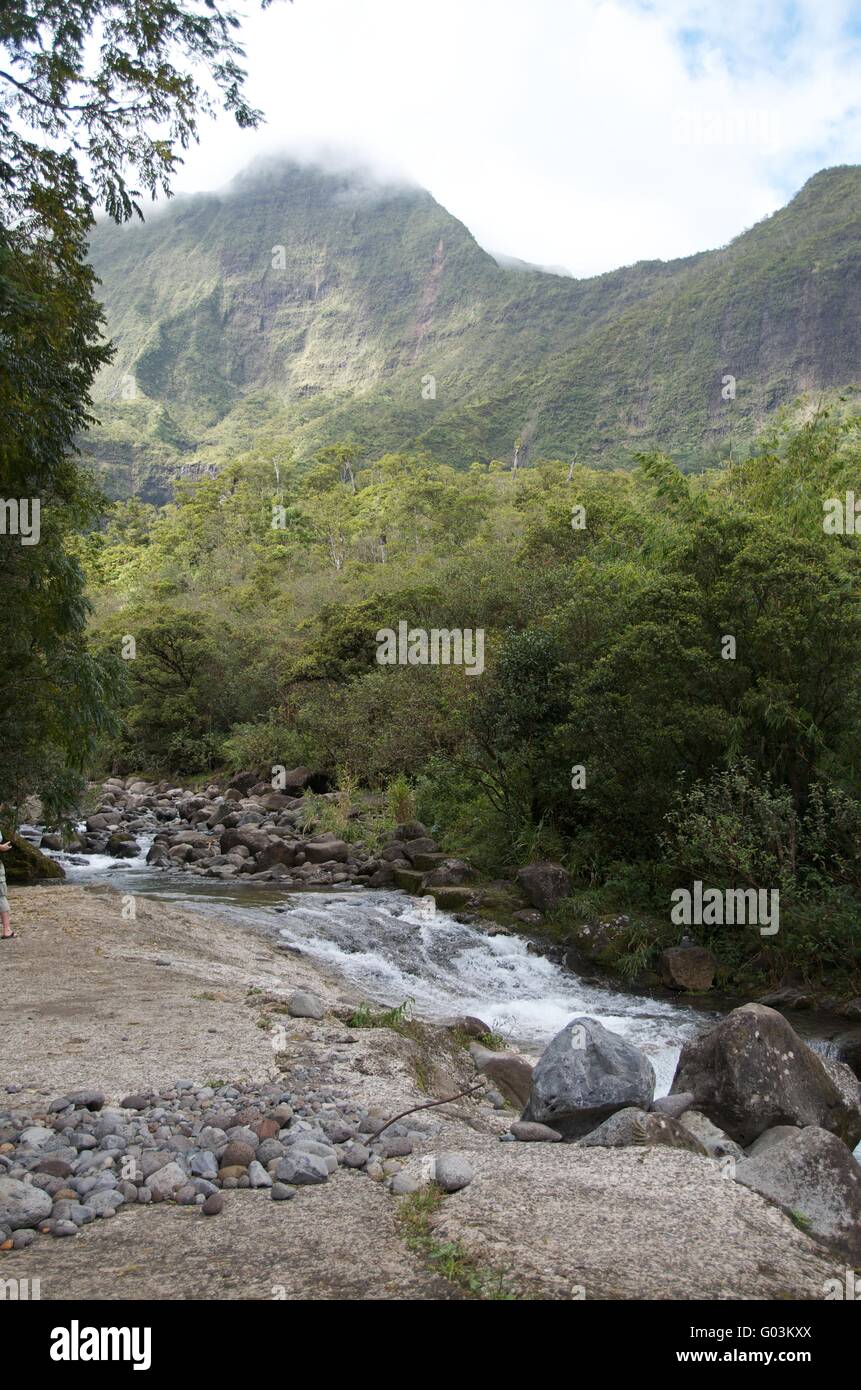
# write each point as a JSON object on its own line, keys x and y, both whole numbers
{"x": 334, "y": 1242}
{"x": 617, "y": 1224}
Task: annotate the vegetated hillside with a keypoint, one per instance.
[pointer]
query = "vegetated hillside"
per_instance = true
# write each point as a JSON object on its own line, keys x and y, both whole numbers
{"x": 315, "y": 306}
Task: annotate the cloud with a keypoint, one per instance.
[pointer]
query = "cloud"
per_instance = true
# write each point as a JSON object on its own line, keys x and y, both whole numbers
{"x": 583, "y": 133}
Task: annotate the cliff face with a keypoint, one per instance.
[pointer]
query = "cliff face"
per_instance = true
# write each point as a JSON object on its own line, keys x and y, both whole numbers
{"x": 317, "y": 306}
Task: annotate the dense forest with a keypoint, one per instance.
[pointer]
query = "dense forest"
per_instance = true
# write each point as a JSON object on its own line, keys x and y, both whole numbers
{"x": 672, "y": 664}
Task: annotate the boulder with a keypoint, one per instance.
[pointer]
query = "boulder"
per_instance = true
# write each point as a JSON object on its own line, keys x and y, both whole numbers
{"x": 847, "y": 1049}
{"x": 544, "y": 884}
{"x": 22, "y": 1204}
{"x": 593, "y": 940}
{"x": 242, "y": 783}
{"x": 530, "y": 1133}
{"x": 448, "y": 899}
{"x": 164, "y": 1182}
{"x": 452, "y": 1171}
{"x": 323, "y": 851}
{"x": 674, "y": 1106}
{"x": 248, "y": 835}
{"x": 420, "y": 847}
{"x": 426, "y": 863}
{"x": 451, "y": 873}
{"x": 714, "y": 1141}
{"x": 303, "y": 1004}
{"x": 300, "y": 1167}
{"x": 688, "y": 967}
{"x": 585, "y": 1075}
{"x": 409, "y": 830}
{"x": 122, "y": 847}
{"x": 393, "y": 853}
{"x": 771, "y": 1138}
{"x": 24, "y": 863}
{"x": 752, "y": 1071}
{"x": 296, "y": 780}
{"x": 410, "y": 880}
{"x": 814, "y": 1177}
{"x": 510, "y": 1074}
{"x": 276, "y": 852}
{"x": 632, "y": 1127}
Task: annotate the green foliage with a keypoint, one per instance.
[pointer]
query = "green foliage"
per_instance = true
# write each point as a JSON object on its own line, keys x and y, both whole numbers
{"x": 448, "y": 1258}
{"x": 264, "y": 743}
{"x": 604, "y": 649}
{"x": 395, "y": 1018}
{"x": 93, "y": 94}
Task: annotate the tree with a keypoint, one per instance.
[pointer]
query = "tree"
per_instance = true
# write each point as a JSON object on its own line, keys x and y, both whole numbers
{"x": 95, "y": 96}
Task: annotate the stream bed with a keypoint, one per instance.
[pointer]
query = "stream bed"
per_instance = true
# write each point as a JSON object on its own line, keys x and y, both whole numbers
{"x": 380, "y": 942}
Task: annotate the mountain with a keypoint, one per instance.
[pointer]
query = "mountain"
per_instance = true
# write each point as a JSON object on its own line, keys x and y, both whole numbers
{"x": 317, "y": 306}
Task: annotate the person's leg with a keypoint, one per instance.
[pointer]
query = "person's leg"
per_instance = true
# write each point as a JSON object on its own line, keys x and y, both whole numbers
{"x": 5, "y": 928}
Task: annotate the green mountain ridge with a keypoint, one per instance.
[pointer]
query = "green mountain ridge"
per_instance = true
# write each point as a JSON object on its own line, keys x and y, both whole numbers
{"x": 316, "y": 306}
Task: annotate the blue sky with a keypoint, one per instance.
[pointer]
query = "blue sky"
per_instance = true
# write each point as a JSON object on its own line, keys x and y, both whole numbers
{"x": 581, "y": 133}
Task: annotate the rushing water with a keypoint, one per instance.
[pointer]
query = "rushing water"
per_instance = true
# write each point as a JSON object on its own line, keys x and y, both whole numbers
{"x": 378, "y": 941}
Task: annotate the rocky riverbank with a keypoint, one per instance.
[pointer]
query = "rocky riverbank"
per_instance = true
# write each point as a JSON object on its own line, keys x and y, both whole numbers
{"x": 246, "y": 831}
{"x": 190, "y": 1112}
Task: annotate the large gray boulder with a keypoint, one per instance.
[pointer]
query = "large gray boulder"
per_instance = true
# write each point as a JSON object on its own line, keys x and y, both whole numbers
{"x": 544, "y": 884}
{"x": 813, "y": 1176}
{"x": 586, "y": 1074}
{"x": 752, "y": 1072}
{"x": 21, "y": 1204}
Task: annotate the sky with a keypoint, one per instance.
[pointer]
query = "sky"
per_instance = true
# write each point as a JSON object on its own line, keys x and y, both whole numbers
{"x": 584, "y": 134}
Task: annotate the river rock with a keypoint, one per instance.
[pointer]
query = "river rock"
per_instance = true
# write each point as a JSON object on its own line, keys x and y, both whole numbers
{"x": 322, "y": 851}
{"x": 813, "y": 1175}
{"x": 450, "y": 873}
{"x": 302, "y": 1168}
{"x": 164, "y": 1182}
{"x": 105, "y": 1203}
{"x": 452, "y": 1171}
{"x": 303, "y": 1004}
{"x": 258, "y": 1176}
{"x": 22, "y": 1204}
{"x": 586, "y": 1074}
{"x": 752, "y": 1071}
{"x": 530, "y": 1133}
{"x": 714, "y": 1141}
{"x": 544, "y": 884}
{"x": 771, "y": 1138}
{"x": 632, "y": 1127}
{"x": 674, "y": 1106}
{"x": 510, "y": 1074}
{"x": 690, "y": 968}
{"x": 237, "y": 1154}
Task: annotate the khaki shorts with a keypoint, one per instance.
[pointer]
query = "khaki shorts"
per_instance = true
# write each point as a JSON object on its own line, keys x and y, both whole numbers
{"x": 4, "y": 905}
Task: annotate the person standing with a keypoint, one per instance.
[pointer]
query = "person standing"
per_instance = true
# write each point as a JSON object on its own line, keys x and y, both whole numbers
{"x": 5, "y": 929}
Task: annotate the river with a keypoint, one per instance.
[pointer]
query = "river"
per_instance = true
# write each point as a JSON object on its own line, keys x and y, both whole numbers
{"x": 378, "y": 941}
